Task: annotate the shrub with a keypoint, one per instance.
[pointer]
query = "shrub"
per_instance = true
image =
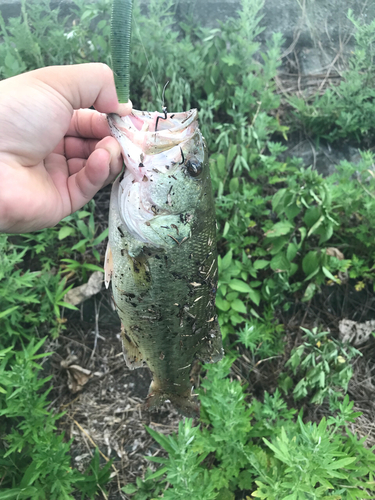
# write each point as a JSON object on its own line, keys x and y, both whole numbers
{"x": 259, "y": 449}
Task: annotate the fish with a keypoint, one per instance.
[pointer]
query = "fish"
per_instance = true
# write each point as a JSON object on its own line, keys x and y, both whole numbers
{"x": 161, "y": 255}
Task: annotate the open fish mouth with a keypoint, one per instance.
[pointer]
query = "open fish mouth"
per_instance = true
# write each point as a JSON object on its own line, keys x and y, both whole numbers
{"x": 158, "y": 151}
{"x": 154, "y": 132}
{"x": 148, "y": 121}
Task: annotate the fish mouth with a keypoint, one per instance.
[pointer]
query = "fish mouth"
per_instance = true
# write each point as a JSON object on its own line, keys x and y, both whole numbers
{"x": 146, "y": 122}
{"x": 155, "y": 148}
{"x": 155, "y": 122}
{"x": 154, "y": 132}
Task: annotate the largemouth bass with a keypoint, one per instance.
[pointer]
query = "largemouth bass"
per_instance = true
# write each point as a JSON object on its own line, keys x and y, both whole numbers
{"x": 161, "y": 254}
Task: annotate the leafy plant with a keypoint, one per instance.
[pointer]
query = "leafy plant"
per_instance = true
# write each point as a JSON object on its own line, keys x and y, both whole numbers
{"x": 258, "y": 448}
{"x": 322, "y": 366}
{"x": 311, "y": 463}
{"x": 346, "y": 110}
{"x": 74, "y": 226}
{"x": 40, "y": 37}
{"x": 262, "y": 338}
{"x": 94, "y": 479}
{"x": 34, "y": 461}
{"x": 21, "y": 291}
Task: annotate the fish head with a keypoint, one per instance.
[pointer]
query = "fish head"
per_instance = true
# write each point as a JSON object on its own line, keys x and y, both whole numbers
{"x": 166, "y": 179}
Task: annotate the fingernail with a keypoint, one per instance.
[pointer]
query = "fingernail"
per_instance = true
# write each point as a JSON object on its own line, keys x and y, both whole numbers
{"x": 125, "y": 109}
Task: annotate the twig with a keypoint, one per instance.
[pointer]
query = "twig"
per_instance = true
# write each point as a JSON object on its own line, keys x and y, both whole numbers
{"x": 97, "y": 310}
{"x": 115, "y": 367}
{"x": 367, "y": 191}
{"x": 266, "y": 359}
{"x": 70, "y": 402}
{"x": 89, "y": 438}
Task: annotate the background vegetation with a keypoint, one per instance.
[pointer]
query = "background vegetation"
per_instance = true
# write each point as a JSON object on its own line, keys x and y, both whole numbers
{"x": 285, "y": 235}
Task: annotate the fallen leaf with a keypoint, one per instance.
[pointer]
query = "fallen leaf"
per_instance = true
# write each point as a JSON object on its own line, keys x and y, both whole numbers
{"x": 355, "y": 333}
{"x": 81, "y": 293}
{"x": 77, "y": 376}
{"x": 335, "y": 252}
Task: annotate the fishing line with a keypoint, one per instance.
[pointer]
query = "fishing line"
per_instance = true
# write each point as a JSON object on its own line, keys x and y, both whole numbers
{"x": 164, "y": 109}
{"x": 148, "y": 61}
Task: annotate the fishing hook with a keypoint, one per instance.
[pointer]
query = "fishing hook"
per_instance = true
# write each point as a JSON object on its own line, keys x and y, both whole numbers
{"x": 164, "y": 108}
{"x": 183, "y": 157}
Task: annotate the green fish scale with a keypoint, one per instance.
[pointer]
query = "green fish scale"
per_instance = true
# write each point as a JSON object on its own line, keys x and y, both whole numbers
{"x": 170, "y": 336}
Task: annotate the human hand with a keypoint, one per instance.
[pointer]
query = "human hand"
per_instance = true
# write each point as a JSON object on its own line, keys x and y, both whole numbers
{"x": 54, "y": 156}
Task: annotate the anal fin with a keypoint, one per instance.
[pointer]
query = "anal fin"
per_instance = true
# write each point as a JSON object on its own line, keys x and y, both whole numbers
{"x": 133, "y": 356}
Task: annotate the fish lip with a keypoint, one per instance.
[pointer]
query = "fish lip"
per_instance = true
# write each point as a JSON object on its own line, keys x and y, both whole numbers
{"x": 138, "y": 139}
{"x": 125, "y": 124}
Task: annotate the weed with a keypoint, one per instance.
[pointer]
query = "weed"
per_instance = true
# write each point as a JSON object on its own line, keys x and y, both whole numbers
{"x": 32, "y": 456}
{"x": 345, "y": 111}
{"x": 75, "y": 227}
{"x": 322, "y": 364}
{"x": 258, "y": 448}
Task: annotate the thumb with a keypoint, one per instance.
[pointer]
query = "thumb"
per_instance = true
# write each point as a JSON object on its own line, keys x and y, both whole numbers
{"x": 83, "y": 85}
{"x": 102, "y": 167}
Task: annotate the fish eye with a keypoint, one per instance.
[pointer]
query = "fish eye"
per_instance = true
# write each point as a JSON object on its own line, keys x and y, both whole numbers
{"x": 194, "y": 168}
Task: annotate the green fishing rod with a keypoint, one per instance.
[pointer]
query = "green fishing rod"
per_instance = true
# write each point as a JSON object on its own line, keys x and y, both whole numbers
{"x": 121, "y": 28}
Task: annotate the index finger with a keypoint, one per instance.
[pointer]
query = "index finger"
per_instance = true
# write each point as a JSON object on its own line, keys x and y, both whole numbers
{"x": 41, "y": 103}
{"x": 84, "y": 85}
{"x": 88, "y": 124}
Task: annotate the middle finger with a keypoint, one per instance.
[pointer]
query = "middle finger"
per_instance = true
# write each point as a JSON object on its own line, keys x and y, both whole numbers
{"x": 88, "y": 123}
{"x": 79, "y": 148}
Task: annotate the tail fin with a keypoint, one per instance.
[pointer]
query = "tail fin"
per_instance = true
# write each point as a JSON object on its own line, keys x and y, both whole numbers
{"x": 184, "y": 403}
